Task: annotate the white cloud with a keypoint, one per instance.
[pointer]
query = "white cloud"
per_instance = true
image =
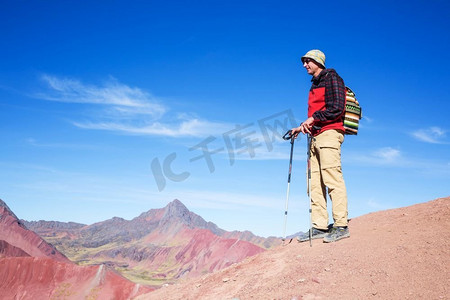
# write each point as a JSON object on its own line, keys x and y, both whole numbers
{"x": 114, "y": 106}
{"x": 367, "y": 119}
{"x": 192, "y": 127}
{"x": 434, "y": 135}
{"x": 126, "y": 109}
{"x": 280, "y": 151}
{"x": 122, "y": 98}
{"x": 387, "y": 154}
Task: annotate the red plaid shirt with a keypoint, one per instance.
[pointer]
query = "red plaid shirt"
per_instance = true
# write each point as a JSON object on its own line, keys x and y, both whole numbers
{"x": 334, "y": 95}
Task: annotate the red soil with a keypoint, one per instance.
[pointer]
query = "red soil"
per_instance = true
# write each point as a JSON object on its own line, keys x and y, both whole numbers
{"x": 44, "y": 278}
{"x": 7, "y": 250}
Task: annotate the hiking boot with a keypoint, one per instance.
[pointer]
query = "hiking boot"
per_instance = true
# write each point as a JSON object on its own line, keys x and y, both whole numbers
{"x": 316, "y": 234}
{"x": 336, "y": 234}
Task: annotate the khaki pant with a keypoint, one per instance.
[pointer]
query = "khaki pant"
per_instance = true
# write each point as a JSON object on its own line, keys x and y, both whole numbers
{"x": 326, "y": 172}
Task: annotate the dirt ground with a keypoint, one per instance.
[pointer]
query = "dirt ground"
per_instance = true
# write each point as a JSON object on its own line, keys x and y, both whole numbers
{"x": 395, "y": 254}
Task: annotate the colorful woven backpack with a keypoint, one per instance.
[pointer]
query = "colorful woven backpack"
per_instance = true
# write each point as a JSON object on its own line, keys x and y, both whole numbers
{"x": 353, "y": 113}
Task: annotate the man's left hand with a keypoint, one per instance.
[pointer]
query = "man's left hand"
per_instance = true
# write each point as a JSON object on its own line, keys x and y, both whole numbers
{"x": 306, "y": 126}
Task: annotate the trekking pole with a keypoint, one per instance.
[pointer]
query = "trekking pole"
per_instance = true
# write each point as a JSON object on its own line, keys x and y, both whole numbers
{"x": 308, "y": 162}
{"x": 309, "y": 139}
{"x": 288, "y": 136}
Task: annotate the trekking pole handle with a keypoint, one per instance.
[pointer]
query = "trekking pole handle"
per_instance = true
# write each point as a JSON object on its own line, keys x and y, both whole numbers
{"x": 288, "y": 135}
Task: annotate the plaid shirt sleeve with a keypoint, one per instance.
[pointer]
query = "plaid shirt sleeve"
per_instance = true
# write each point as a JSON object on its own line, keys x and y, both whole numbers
{"x": 334, "y": 98}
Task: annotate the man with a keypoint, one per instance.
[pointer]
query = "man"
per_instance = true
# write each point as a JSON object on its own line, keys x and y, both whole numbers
{"x": 326, "y": 106}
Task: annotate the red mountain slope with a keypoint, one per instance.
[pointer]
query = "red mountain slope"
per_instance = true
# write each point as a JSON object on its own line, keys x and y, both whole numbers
{"x": 395, "y": 254}
{"x": 16, "y": 234}
{"x": 192, "y": 252}
{"x": 31, "y": 268}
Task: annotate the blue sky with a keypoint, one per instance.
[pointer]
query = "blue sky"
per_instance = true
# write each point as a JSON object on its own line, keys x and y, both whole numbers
{"x": 108, "y": 107}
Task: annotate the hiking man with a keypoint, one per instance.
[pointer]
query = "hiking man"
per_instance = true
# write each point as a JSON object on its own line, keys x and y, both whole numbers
{"x": 326, "y": 106}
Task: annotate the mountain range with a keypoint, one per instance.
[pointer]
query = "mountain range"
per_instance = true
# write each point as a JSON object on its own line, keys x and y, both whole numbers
{"x": 159, "y": 246}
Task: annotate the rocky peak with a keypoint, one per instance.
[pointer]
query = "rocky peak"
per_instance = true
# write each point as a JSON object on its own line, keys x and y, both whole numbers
{"x": 177, "y": 212}
{"x": 176, "y": 209}
{"x": 6, "y": 211}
